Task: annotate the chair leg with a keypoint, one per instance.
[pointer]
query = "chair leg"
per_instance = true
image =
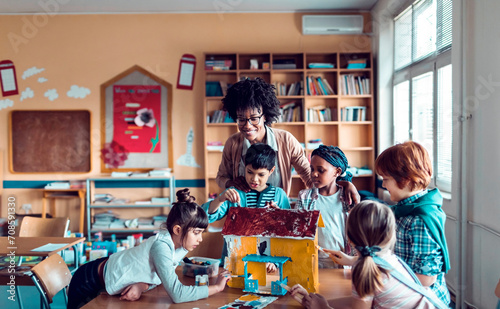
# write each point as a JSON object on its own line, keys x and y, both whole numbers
{"x": 65, "y": 295}
{"x": 18, "y": 293}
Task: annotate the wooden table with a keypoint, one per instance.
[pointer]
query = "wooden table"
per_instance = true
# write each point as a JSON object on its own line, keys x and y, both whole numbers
{"x": 22, "y": 246}
{"x": 335, "y": 285}
{"x": 64, "y": 193}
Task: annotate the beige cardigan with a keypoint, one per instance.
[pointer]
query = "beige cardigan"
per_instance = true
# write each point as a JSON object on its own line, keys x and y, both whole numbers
{"x": 290, "y": 153}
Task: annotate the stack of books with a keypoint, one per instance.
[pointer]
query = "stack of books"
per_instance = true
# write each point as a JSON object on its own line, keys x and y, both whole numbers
{"x": 103, "y": 198}
{"x": 356, "y": 64}
{"x": 103, "y": 220}
{"x": 218, "y": 65}
{"x": 354, "y": 85}
{"x": 145, "y": 223}
{"x": 319, "y": 86}
{"x": 280, "y": 64}
{"x": 290, "y": 112}
{"x": 321, "y": 114}
{"x": 159, "y": 220}
{"x": 216, "y": 146}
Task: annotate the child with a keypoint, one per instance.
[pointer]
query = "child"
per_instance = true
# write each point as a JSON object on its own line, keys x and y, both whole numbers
{"x": 379, "y": 278}
{"x": 260, "y": 161}
{"x": 328, "y": 163}
{"x": 131, "y": 272}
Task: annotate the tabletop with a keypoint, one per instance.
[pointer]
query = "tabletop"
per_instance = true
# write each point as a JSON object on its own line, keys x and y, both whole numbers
{"x": 335, "y": 285}
{"x": 23, "y": 245}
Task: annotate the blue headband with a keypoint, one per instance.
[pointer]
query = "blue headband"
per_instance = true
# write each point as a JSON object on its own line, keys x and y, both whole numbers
{"x": 334, "y": 156}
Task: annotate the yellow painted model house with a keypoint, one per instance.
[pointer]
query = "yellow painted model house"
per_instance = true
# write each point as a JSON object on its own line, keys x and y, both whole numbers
{"x": 286, "y": 238}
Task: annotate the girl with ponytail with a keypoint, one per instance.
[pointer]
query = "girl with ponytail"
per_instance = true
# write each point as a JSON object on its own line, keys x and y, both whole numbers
{"x": 134, "y": 271}
{"x": 379, "y": 278}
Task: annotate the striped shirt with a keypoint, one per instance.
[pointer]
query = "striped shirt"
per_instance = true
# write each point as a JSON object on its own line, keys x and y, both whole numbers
{"x": 253, "y": 199}
{"x": 419, "y": 250}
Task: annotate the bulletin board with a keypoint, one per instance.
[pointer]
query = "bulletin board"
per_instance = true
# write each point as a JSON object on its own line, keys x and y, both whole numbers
{"x": 146, "y": 146}
{"x": 49, "y": 141}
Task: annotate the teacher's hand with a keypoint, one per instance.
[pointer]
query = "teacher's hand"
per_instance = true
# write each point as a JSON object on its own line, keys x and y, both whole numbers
{"x": 239, "y": 183}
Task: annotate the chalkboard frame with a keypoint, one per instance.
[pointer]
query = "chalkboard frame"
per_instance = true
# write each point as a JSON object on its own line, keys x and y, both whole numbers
{"x": 59, "y": 141}
{"x": 136, "y": 75}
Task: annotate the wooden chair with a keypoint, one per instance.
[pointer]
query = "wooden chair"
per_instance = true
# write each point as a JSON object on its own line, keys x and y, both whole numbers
{"x": 51, "y": 276}
{"x": 34, "y": 227}
{"x": 43, "y": 227}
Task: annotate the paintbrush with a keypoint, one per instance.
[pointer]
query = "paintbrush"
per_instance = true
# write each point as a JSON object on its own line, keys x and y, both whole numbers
{"x": 321, "y": 249}
{"x": 287, "y": 288}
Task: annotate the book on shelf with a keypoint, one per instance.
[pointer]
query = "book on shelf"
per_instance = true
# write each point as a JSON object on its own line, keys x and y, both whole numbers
{"x": 353, "y": 113}
{"x": 103, "y": 198}
{"x": 321, "y": 113}
{"x": 320, "y": 65}
{"x": 218, "y": 65}
{"x": 121, "y": 174}
{"x": 144, "y": 202}
{"x": 280, "y": 64}
{"x": 356, "y": 64}
{"x": 160, "y": 200}
{"x": 354, "y": 85}
{"x": 139, "y": 175}
{"x": 167, "y": 172}
{"x": 213, "y": 89}
{"x": 223, "y": 86}
{"x": 216, "y": 145}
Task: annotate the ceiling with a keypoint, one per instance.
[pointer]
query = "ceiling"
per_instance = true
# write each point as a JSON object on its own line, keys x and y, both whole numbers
{"x": 178, "y": 6}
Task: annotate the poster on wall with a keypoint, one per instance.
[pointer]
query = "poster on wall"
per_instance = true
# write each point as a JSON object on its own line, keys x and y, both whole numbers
{"x": 136, "y": 117}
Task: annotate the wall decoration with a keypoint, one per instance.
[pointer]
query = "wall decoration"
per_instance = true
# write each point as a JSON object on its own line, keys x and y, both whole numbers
{"x": 32, "y": 71}
{"x": 51, "y": 94}
{"x": 26, "y": 94}
{"x": 187, "y": 66}
{"x": 6, "y": 103}
{"x": 78, "y": 92}
{"x": 136, "y": 107}
{"x": 8, "y": 78}
{"x": 42, "y": 80}
{"x": 187, "y": 159}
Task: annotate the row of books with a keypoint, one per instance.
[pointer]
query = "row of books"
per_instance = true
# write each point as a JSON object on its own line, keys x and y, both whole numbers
{"x": 321, "y": 114}
{"x": 354, "y": 85}
{"x": 319, "y": 86}
{"x": 353, "y": 113}
{"x": 290, "y": 112}
{"x": 284, "y": 89}
{"x": 109, "y": 220}
{"x": 218, "y": 65}
{"x": 216, "y": 88}
{"x": 220, "y": 116}
{"x": 282, "y": 64}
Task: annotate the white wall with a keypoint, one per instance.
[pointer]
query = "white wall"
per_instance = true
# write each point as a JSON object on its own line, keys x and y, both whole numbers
{"x": 473, "y": 207}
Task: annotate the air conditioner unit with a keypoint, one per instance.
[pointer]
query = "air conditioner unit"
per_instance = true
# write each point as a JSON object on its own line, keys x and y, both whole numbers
{"x": 332, "y": 24}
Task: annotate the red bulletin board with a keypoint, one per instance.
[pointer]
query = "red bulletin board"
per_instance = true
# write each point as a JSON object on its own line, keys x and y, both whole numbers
{"x": 137, "y": 136}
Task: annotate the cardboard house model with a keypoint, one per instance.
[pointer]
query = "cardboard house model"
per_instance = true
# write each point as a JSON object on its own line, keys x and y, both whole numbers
{"x": 287, "y": 238}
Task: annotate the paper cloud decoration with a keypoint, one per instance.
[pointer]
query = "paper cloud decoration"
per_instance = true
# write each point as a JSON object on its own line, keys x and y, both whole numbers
{"x": 27, "y": 93}
{"x": 6, "y": 103}
{"x": 42, "y": 80}
{"x": 51, "y": 94}
{"x": 78, "y": 92}
{"x": 32, "y": 71}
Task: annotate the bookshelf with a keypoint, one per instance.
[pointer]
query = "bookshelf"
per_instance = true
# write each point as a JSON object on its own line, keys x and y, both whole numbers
{"x": 132, "y": 201}
{"x": 335, "y": 104}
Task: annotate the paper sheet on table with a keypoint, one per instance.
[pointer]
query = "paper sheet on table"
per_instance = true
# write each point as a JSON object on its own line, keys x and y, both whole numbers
{"x": 49, "y": 247}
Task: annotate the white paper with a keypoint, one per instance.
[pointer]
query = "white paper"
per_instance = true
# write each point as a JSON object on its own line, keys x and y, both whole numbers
{"x": 186, "y": 76}
{"x": 8, "y": 80}
{"x": 49, "y": 247}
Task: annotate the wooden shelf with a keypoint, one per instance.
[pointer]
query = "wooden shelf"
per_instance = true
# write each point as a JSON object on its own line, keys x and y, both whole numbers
{"x": 338, "y": 133}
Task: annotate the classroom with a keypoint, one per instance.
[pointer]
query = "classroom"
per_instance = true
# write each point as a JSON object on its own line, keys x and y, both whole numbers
{"x": 399, "y": 70}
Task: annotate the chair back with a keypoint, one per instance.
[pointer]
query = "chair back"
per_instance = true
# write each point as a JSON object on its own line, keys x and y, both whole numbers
{"x": 53, "y": 275}
{"x": 43, "y": 227}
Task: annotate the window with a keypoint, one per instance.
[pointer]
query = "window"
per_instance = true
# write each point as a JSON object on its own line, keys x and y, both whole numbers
{"x": 422, "y": 94}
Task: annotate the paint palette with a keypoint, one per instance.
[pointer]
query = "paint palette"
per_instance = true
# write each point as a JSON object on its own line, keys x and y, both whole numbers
{"x": 250, "y": 301}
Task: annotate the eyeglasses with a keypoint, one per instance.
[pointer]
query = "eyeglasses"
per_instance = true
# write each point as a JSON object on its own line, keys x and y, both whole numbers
{"x": 253, "y": 120}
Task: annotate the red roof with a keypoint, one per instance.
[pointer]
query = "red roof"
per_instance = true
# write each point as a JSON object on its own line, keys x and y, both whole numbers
{"x": 268, "y": 222}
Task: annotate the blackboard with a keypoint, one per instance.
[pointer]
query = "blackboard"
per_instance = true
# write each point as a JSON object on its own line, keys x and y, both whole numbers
{"x": 47, "y": 141}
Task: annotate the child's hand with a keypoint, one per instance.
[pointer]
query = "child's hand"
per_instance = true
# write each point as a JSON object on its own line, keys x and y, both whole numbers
{"x": 298, "y": 293}
{"x": 222, "y": 279}
{"x": 271, "y": 268}
{"x": 133, "y": 292}
{"x": 272, "y": 204}
{"x": 230, "y": 195}
{"x": 340, "y": 257}
{"x": 315, "y": 301}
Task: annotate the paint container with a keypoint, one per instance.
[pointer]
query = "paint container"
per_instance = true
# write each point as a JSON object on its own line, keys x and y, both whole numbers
{"x": 131, "y": 241}
{"x": 201, "y": 280}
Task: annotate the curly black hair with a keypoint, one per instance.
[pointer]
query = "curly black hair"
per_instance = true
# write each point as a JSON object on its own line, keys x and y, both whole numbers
{"x": 252, "y": 94}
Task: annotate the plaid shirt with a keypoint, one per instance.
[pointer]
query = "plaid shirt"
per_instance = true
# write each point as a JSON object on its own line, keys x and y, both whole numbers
{"x": 418, "y": 249}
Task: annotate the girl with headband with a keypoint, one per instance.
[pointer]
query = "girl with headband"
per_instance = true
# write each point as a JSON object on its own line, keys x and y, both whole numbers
{"x": 328, "y": 163}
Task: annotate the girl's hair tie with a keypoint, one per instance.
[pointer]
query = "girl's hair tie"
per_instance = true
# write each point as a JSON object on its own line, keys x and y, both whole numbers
{"x": 368, "y": 251}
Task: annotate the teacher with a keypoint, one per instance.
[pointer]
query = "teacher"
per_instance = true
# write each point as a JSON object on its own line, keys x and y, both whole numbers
{"x": 254, "y": 106}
